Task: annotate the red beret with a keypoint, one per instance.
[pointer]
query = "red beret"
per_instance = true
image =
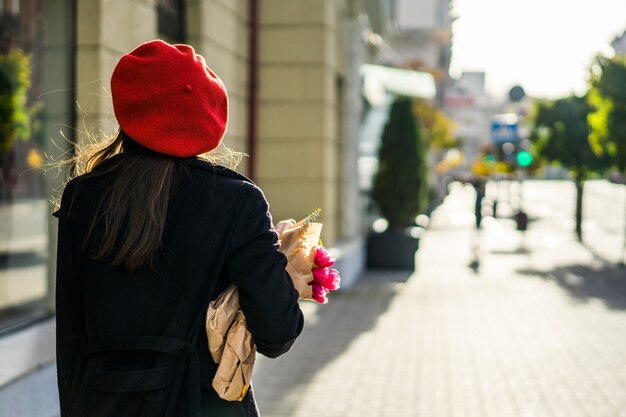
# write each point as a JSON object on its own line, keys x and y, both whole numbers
{"x": 167, "y": 99}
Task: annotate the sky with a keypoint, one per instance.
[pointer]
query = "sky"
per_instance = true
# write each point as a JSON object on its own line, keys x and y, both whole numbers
{"x": 546, "y": 46}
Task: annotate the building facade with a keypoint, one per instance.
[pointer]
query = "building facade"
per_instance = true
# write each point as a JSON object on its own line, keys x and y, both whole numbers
{"x": 291, "y": 70}
{"x": 421, "y": 39}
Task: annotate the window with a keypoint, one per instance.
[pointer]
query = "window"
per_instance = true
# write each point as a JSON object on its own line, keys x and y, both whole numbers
{"x": 35, "y": 105}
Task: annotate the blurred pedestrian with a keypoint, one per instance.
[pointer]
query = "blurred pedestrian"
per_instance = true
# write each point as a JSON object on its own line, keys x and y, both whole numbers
{"x": 479, "y": 185}
{"x": 148, "y": 235}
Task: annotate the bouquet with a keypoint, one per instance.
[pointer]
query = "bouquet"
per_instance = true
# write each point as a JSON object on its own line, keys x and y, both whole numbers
{"x": 308, "y": 262}
{"x": 230, "y": 342}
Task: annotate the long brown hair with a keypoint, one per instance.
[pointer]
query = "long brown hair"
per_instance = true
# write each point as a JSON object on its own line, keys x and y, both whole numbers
{"x": 137, "y": 200}
{"x": 133, "y": 206}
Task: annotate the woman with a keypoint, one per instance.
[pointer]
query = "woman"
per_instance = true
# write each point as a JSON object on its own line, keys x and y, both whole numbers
{"x": 147, "y": 236}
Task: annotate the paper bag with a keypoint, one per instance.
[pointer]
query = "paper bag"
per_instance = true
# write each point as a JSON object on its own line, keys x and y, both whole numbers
{"x": 220, "y": 316}
{"x": 234, "y": 372}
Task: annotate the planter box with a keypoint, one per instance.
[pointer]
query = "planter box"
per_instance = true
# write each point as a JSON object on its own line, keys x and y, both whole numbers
{"x": 391, "y": 250}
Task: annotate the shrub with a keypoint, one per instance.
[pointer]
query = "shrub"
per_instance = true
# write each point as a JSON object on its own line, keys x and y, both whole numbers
{"x": 400, "y": 186}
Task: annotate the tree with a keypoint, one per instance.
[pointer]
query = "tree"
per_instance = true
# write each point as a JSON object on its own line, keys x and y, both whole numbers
{"x": 15, "y": 115}
{"x": 561, "y": 134}
{"x": 437, "y": 128}
{"x": 400, "y": 187}
{"x": 607, "y": 97}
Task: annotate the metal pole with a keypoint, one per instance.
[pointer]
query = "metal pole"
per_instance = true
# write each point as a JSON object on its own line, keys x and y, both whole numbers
{"x": 623, "y": 263}
{"x": 253, "y": 81}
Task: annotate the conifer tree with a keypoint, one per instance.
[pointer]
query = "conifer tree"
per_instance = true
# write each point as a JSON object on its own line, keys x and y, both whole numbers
{"x": 400, "y": 184}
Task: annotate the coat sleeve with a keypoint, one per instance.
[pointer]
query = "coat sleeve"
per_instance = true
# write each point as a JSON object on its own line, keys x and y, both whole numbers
{"x": 267, "y": 296}
{"x": 70, "y": 328}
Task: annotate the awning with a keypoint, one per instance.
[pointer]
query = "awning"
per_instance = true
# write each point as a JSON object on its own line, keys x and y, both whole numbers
{"x": 378, "y": 79}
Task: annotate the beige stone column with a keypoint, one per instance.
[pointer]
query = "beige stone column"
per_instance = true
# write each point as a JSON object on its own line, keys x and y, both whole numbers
{"x": 351, "y": 203}
{"x": 106, "y": 30}
{"x": 218, "y": 30}
{"x": 298, "y": 131}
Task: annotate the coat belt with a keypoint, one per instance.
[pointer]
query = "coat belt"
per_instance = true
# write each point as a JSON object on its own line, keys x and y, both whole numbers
{"x": 162, "y": 344}
{"x": 149, "y": 379}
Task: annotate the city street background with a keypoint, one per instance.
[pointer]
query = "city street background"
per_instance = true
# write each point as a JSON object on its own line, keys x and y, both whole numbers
{"x": 367, "y": 110}
{"x": 538, "y": 330}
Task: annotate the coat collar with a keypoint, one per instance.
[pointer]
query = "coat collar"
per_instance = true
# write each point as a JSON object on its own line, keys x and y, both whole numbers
{"x": 219, "y": 169}
{"x": 196, "y": 162}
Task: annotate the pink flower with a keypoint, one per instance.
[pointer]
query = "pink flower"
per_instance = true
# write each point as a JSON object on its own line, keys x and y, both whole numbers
{"x": 333, "y": 280}
{"x": 319, "y": 294}
{"x": 327, "y": 278}
{"x": 323, "y": 258}
{"x": 320, "y": 275}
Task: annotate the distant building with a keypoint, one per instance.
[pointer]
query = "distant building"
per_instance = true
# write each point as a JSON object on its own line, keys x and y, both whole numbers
{"x": 467, "y": 103}
{"x": 422, "y": 39}
{"x": 619, "y": 44}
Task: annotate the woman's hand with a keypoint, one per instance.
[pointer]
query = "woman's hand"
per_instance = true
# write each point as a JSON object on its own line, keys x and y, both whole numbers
{"x": 304, "y": 290}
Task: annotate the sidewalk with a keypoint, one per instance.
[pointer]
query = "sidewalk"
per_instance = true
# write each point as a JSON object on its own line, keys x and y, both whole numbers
{"x": 539, "y": 330}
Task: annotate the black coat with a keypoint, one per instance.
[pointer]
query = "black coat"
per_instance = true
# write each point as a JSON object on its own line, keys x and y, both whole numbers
{"x": 133, "y": 344}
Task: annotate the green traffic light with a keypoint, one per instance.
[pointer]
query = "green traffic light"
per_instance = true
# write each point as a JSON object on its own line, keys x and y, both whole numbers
{"x": 524, "y": 158}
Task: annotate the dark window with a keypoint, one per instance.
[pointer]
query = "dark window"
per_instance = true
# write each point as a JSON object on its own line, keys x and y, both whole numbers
{"x": 35, "y": 105}
{"x": 172, "y": 20}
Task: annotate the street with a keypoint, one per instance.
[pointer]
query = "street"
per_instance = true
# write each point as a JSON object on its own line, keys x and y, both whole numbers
{"x": 538, "y": 329}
